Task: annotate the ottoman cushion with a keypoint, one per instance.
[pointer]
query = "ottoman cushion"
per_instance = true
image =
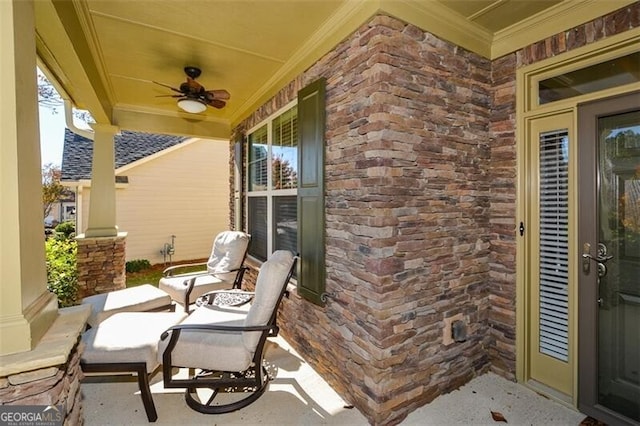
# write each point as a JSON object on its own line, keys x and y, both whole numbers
{"x": 128, "y": 337}
{"x": 133, "y": 299}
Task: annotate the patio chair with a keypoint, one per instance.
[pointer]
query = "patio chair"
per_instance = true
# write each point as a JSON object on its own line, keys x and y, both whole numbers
{"x": 224, "y": 270}
{"x": 223, "y": 346}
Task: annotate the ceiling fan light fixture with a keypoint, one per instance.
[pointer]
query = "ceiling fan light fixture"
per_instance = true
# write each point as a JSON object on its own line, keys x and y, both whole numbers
{"x": 192, "y": 106}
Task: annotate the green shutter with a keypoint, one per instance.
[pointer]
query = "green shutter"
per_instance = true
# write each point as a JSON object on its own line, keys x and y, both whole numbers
{"x": 311, "y": 127}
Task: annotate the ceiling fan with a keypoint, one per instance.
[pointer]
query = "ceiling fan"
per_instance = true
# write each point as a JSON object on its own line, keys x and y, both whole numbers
{"x": 193, "y": 97}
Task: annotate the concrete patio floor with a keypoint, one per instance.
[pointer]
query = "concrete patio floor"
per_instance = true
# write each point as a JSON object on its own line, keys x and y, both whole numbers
{"x": 299, "y": 396}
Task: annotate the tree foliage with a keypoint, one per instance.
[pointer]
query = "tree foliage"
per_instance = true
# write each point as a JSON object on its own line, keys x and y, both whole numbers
{"x": 49, "y": 98}
{"x": 62, "y": 271}
{"x": 284, "y": 175}
{"x": 52, "y": 189}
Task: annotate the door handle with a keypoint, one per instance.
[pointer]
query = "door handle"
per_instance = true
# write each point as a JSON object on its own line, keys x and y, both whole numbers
{"x": 598, "y": 258}
{"x": 601, "y": 258}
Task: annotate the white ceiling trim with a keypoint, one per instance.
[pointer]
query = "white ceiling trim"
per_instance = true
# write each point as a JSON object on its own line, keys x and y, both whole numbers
{"x": 91, "y": 36}
{"x": 486, "y": 10}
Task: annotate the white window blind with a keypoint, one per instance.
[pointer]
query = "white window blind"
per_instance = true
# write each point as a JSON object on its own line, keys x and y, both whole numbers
{"x": 554, "y": 244}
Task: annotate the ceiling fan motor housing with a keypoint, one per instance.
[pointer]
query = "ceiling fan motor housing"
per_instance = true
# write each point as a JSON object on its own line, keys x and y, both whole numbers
{"x": 193, "y": 72}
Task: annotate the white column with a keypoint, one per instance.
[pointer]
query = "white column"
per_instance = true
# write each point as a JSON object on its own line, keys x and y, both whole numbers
{"x": 27, "y": 309}
{"x": 102, "y": 204}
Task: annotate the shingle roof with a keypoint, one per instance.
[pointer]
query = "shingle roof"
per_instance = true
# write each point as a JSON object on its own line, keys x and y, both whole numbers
{"x": 77, "y": 154}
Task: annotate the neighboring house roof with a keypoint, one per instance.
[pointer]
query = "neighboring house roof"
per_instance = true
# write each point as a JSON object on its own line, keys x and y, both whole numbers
{"x": 77, "y": 154}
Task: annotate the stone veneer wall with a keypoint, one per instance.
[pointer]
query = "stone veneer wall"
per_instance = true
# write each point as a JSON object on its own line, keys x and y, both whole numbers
{"x": 407, "y": 198}
{"x": 101, "y": 265}
{"x": 502, "y": 316}
{"x": 421, "y": 226}
{"x": 59, "y": 385}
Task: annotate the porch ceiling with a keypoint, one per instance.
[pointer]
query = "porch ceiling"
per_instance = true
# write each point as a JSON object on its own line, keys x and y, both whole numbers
{"x": 105, "y": 54}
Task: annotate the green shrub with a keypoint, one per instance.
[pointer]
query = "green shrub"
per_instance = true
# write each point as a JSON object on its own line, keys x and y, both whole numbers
{"x": 66, "y": 230}
{"x": 62, "y": 273}
{"x": 137, "y": 265}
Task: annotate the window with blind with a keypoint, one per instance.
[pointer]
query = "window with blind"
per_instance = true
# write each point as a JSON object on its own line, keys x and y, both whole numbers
{"x": 554, "y": 244}
{"x": 272, "y": 185}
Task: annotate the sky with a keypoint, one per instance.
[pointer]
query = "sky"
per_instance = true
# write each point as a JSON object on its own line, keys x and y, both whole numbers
{"x": 51, "y": 135}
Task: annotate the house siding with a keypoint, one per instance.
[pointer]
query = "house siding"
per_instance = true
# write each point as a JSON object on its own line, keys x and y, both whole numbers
{"x": 183, "y": 193}
{"x": 420, "y": 207}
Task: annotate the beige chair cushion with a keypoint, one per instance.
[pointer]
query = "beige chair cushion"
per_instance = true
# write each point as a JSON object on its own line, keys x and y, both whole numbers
{"x": 210, "y": 349}
{"x": 227, "y": 253}
{"x": 134, "y": 299}
{"x": 128, "y": 337}
{"x": 269, "y": 284}
{"x": 175, "y": 286}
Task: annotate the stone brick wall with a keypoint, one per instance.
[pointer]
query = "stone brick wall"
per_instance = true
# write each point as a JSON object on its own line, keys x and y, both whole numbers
{"x": 407, "y": 196}
{"x": 502, "y": 290}
{"x": 420, "y": 207}
{"x": 503, "y": 170}
{"x": 101, "y": 265}
{"x": 58, "y": 385}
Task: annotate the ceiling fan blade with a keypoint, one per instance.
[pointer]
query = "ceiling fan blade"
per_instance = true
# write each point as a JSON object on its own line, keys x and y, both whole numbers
{"x": 194, "y": 86}
{"x": 167, "y": 86}
{"x": 216, "y": 103}
{"x": 217, "y": 94}
{"x": 169, "y": 96}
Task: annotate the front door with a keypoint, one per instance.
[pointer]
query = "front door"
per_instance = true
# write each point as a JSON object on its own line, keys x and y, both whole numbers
{"x": 609, "y": 257}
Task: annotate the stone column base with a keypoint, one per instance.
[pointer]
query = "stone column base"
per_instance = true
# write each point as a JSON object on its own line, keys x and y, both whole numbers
{"x": 101, "y": 264}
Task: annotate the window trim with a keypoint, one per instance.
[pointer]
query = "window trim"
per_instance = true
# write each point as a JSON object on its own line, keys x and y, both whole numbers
{"x": 268, "y": 193}
{"x": 530, "y": 76}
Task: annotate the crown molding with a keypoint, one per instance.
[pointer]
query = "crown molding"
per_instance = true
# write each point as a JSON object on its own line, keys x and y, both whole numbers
{"x": 437, "y": 19}
{"x": 345, "y": 20}
{"x": 558, "y": 18}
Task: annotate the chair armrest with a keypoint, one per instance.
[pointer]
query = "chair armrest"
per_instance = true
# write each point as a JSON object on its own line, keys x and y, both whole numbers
{"x": 168, "y": 272}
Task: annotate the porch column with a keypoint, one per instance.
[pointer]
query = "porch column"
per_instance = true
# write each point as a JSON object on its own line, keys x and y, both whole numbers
{"x": 27, "y": 309}
{"x": 102, "y": 249}
{"x": 102, "y": 204}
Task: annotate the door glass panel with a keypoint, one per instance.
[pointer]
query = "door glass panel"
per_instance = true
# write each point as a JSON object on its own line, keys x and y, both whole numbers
{"x": 619, "y": 268}
{"x": 554, "y": 244}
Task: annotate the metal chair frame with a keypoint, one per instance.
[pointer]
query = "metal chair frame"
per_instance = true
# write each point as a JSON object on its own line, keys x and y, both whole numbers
{"x": 255, "y": 377}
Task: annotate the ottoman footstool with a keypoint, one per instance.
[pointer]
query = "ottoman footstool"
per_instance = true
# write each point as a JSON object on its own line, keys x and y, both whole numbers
{"x": 127, "y": 342}
{"x": 142, "y": 298}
